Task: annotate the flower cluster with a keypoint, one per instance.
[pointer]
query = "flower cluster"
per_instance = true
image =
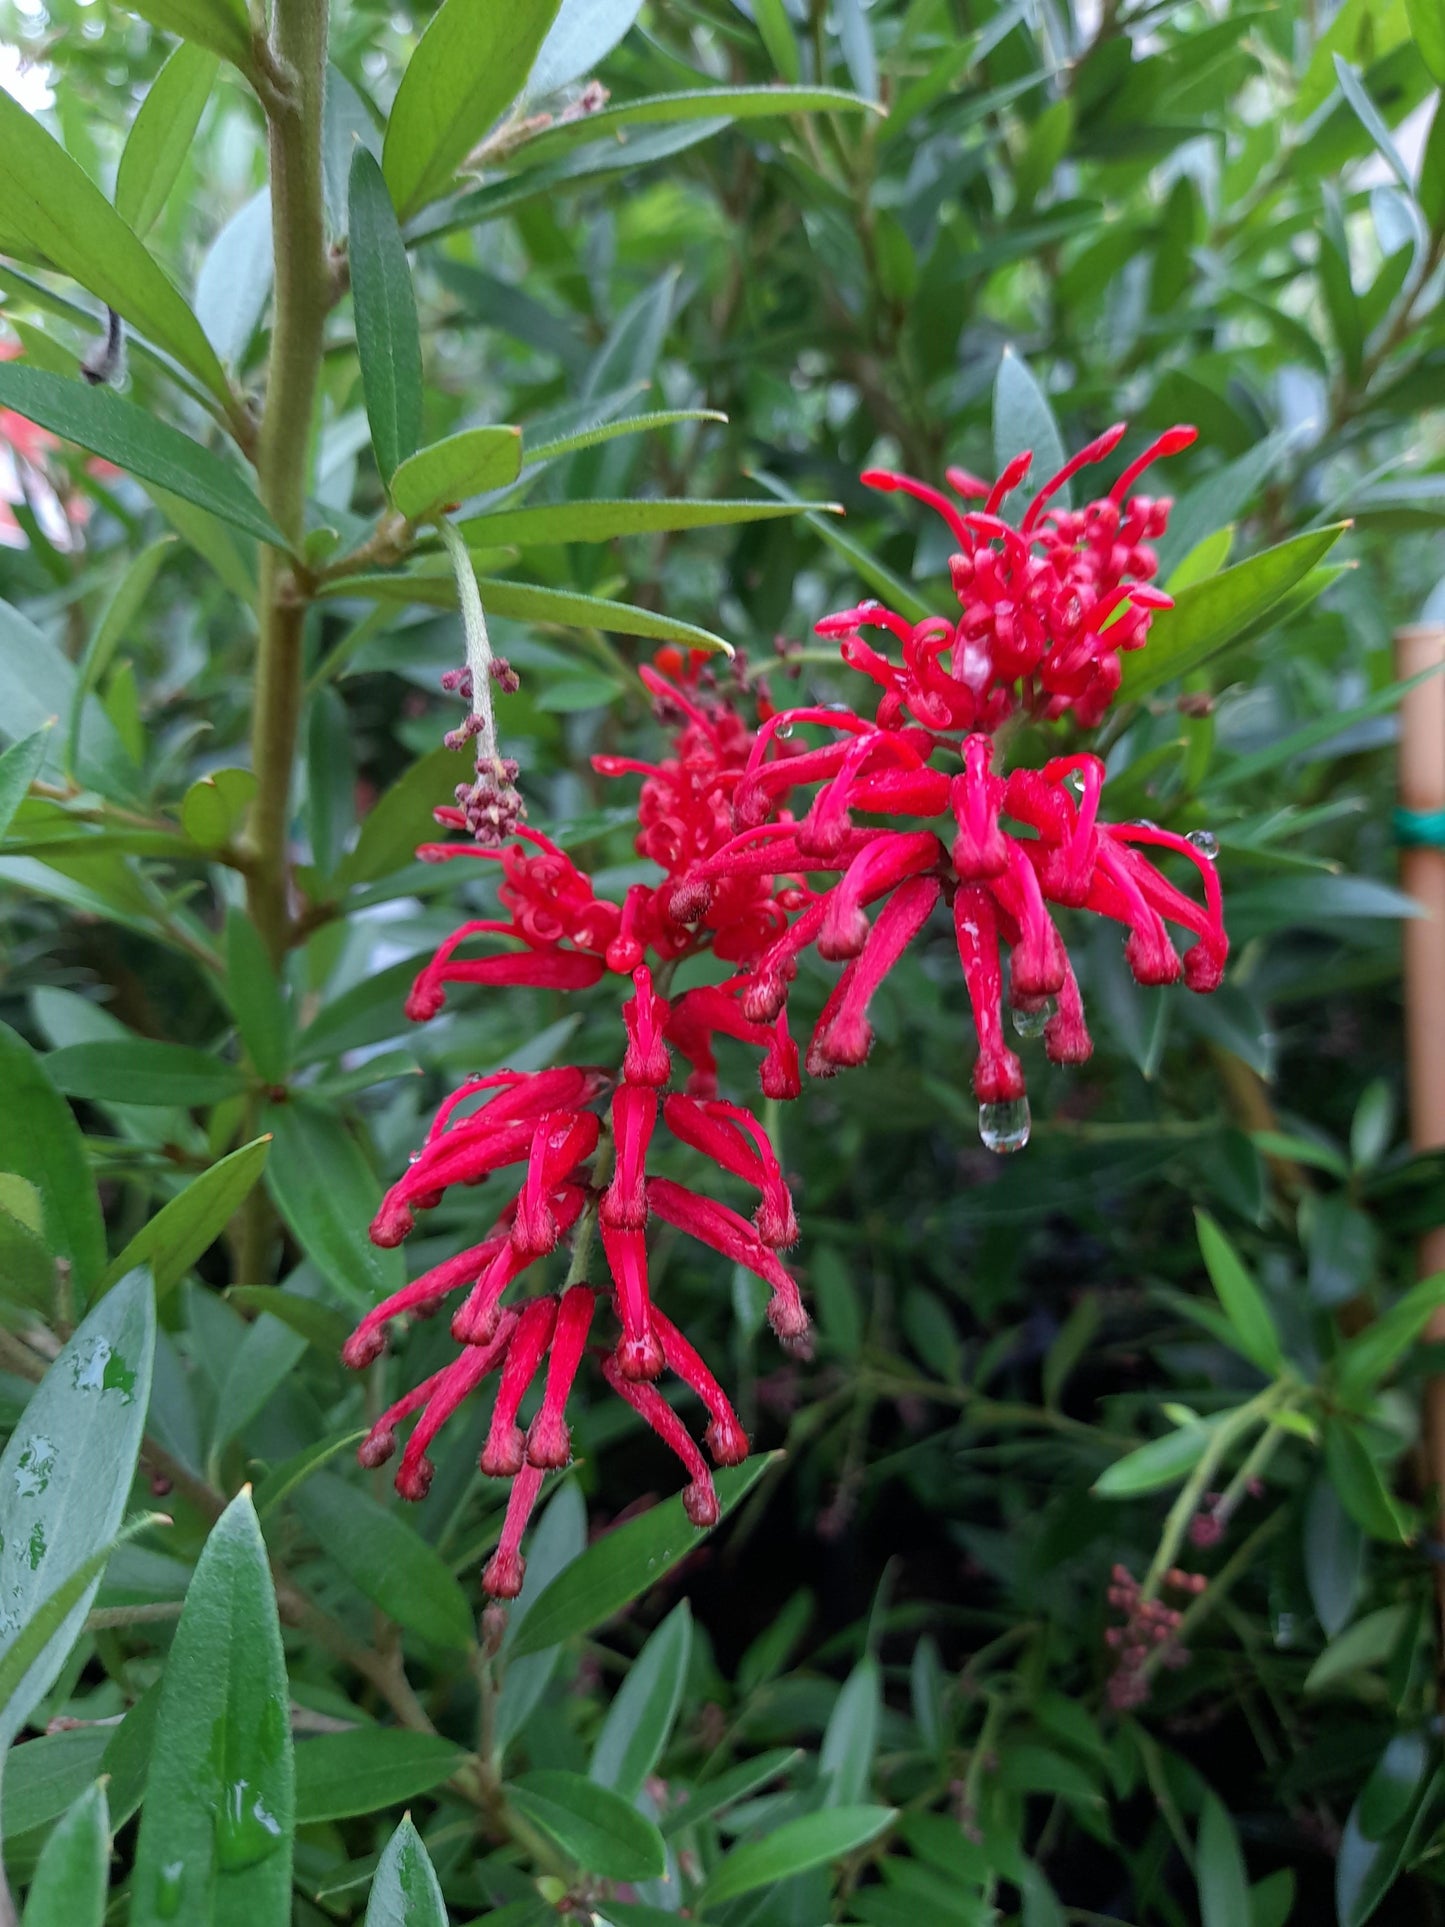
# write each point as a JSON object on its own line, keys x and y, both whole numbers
{"x": 767, "y": 844}
{"x": 1150, "y": 1631}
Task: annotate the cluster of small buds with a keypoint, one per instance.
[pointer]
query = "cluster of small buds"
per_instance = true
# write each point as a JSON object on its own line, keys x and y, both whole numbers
{"x": 492, "y": 806}
{"x": 1150, "y": 1628}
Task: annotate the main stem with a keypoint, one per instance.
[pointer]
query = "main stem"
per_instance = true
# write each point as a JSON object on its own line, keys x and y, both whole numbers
{"x": 302, "y": 292}
{"x": 301, "y": 295}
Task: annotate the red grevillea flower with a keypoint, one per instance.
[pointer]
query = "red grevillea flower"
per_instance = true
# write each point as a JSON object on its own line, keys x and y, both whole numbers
{"x": 543, "y": 1123}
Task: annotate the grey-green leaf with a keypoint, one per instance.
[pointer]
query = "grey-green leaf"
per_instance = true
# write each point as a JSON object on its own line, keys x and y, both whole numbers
{"x": 1023, "y": 419}
{"x": 464, "y": 464}
{"x": 593, "y": 1826}
{"x": 19, "y": 767}
{"x": 815, "y": 1840}
{"x": 189, "y": 1223}
{"x": 327, "y": 1195}
{"x": 66, "y": 1473}
{"x": 1240, "y": 1296}
{"x": 385, "y": 1559}
{"x": 388, "y": 338}
{"x": 41, "y": 1142}
{"x": 405, "y": 1891}
{"x": 216, "y": 1827}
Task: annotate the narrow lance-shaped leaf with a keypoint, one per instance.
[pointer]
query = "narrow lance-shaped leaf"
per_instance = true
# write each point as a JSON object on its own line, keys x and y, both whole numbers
{"x": 470, "y": 63}
{"x": 222, "y": 25}
{"x": 161, "y": 134}
{"x": 720, "y": 103}
{"x": 216, "y": 1827}
{"x": 593, "y": 1826}
{"x": 70, "y": 1881}
{"x": 815, "y": 1840}
{"x": 388, "y": 338}
{"x": 465, "y": 464}
{"x": 19, "y": 767}
{"x": 1240, "y": 1296}
{"x": 640, "y": 1718}
{"x": 1023, "y": 419}
{"x": 51, "y": 201}
{"x": 131, "y": 437}
{"x": 559, "y": 522}
{"x": 188, "y": 1224}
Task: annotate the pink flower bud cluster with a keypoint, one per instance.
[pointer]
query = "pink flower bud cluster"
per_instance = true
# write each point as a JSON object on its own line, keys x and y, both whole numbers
{"x": 1150, "y": 1628}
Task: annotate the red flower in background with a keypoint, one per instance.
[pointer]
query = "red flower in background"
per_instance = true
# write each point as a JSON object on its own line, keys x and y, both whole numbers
{"x": 769, "y": 845}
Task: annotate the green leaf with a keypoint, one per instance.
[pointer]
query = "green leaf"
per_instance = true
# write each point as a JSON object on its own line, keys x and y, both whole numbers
{"x": 1368, "y": 114}
{"x": 37, "y": 688}
{"x": 719, "y": 103}
{"x": 1369, "y": 1355}
{"x": 1209, "y": 616}
{"x": 222, "y": 25}
{"x": 1244, "y": 1307}
{"x": 386, "y": 1560}
{"x": 339, "y": 1775}
{"x": 190, "y": 1223}
{"x": 402, "y": 818}
{"x": 640, "y": 1719}
{"x": 466, "y": 464}
{"x": 388, "y": 339}
{"x": 897, "y": 593}
{"x": 1023, "y": 419}
{"x": 815, "y": 1840}
{"x": 324, "y": 1189}
{"x": 1365, "y": 1645}
{"x": 593, "y": 1826}
{"x": 558, "y": 522}
{"x": 322, "y": 1326}
{"x": 1334, "y": 1557}
{"x": 1427, "y": 24}
{"x": 66, "y": 1473}
{"x": 527, "y": 602}
{"x": 712, "y": 1796}
{"x": 1163, "y": 1461}
{"x": 629, "y": 1559}
{"x": 38, "y": 1650}
{"x": 1358, "y": 1484}
{"x": 235, "y": 280}
{"x": 256, "y": 1000}
{"x": 120, "y": 612}
{"x": 161, "y": 134}
{"x": 850, "y": 1739}
{"x": 1219, "y": 1869}
{"x": 282, "y": 1480}
{"x": 52, "y": 203}
{"x": 1366, "y": 1868}
{"x": 607, "y": 431}
{"x": 471, "y": 61}
{"x": 216, "y": 1827}
{"x": 776, "y": 33}
{"x": 405, "y": 1891}
{"x": 41, "y": 1142}
{"x": 48, "y": 1774}
{"x": 584, "y": 33}
{"x": 131, "y": 437}
{"x": 69, "y": 1887}
{"x": 19, "y": 767}
{"x": 214, "y": 807}
{"x": 142, "y": 1070}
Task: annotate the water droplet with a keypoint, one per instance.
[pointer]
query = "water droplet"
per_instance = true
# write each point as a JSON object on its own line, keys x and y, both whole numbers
{"x": 170, "y": 1882}
{"x": 1074, "y": 779}
{"x": 1145, "y": 823}
{"x": 1206, "y": 842}
{"x": 1004, "y": 1127}
{"x": 1029, "y": 1019}
{"x": 246, "y": 1831}
{"x": 34, "y": 1467}
{"x": 784, "y": 731}
{"x": 413, "y": 1157}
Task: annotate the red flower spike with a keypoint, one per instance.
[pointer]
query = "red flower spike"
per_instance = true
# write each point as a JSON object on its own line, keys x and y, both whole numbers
{"x": 733, "y": 1138}
{"x": 421, "y": 1296}
{"x": 722, "y": 1229}
{"x": 549, "y": 1441}
{"x": 538, "y": 970}
{"x": 638, "y": 1353}
{"x": 449, "y": 1388}
{"x": 725, "y": 1437}
{"x": 980, "y": 849}
{"x": 505, "y": 1451}
{"x": 997, "y": 1076}
{"x": 475, "y": 1320}
{"x": 699, "y": 1499}
{"x": 634, "y": 1118}
{"x": 1066, "y": 1036}
{"x": 559, "y": 1144}
{"x": 645, "y": 1015}
{"x": 504, "y": 1571}
{"x": 873, "y": 873}
{"x": 843, "y": 1036}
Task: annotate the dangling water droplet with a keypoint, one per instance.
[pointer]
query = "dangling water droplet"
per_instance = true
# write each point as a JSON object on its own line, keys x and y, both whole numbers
{"x": 1004, "y": 1127}
{"x": 246, "y": 1831}
{"x": 170, "y": 1883}
{"x": 784, "y": 730}
{"x": 413, "y": 1157}
{"x": 1206, "y": 842}
{"x": 1029, "y": 1019}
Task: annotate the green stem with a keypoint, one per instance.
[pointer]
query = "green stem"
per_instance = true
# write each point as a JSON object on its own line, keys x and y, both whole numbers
{"x": 302, "y": 293}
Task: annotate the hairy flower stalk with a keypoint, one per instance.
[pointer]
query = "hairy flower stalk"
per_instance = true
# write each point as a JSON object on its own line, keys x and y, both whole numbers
{"x": 816, "y": 828}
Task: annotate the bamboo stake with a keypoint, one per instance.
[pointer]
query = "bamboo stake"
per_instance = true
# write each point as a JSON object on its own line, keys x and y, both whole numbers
{"x": 1422, "y": 876}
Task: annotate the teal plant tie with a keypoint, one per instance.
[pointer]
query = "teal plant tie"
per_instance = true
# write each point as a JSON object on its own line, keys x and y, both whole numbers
{"x": 1420, "y": 829}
